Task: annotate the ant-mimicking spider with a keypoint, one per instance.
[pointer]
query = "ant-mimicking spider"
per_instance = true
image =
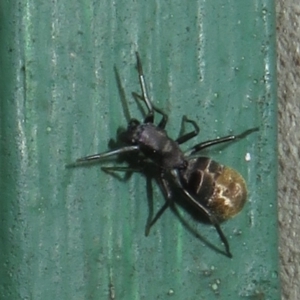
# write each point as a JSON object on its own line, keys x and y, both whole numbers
{"x": 214, "y": 190}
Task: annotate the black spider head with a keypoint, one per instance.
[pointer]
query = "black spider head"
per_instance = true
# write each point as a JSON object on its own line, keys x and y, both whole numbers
{"x": 131, "y": 134}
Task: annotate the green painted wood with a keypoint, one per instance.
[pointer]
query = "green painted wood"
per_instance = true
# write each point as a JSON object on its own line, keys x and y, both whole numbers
{"x": 79, "y": 233}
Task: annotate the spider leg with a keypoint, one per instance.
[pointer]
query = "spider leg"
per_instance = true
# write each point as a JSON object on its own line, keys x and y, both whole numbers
{"x": 201, "y": 208}
{"x": 183, "y": 138}
{"x": 126, "y": 172}
{"x": 163, "y": 122}
{"x": 168, "y": 195}
{"x": 150, "y": 116}
{"x": 225, "y": 139}
{"x": 120, "y": 169}
{"x": 157, "y": 216}
{"x": 100, "y": 156}
{"x": 164, "y": 119}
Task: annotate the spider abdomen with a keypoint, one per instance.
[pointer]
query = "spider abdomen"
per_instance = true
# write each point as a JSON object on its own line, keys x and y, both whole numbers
{"x": 219, "y": 188}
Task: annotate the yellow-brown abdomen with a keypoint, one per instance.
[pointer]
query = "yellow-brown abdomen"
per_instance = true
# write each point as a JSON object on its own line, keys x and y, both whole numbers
{"x": 220, "y": 189}
{"x": 229, "y": 196}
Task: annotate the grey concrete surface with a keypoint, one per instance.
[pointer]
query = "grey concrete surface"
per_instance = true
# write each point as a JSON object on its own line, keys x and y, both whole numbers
{"x": 288, "y": 68}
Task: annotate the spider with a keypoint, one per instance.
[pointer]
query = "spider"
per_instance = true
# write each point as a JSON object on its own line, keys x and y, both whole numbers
{"x": 216, "y": 191}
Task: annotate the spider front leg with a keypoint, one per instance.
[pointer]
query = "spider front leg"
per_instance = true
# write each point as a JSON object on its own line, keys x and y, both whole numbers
{"x": 163, "y": 122}
{"x": 151, "y": 108}
{"x": 150, "y": 116}
{"x": 104, "y": 155}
